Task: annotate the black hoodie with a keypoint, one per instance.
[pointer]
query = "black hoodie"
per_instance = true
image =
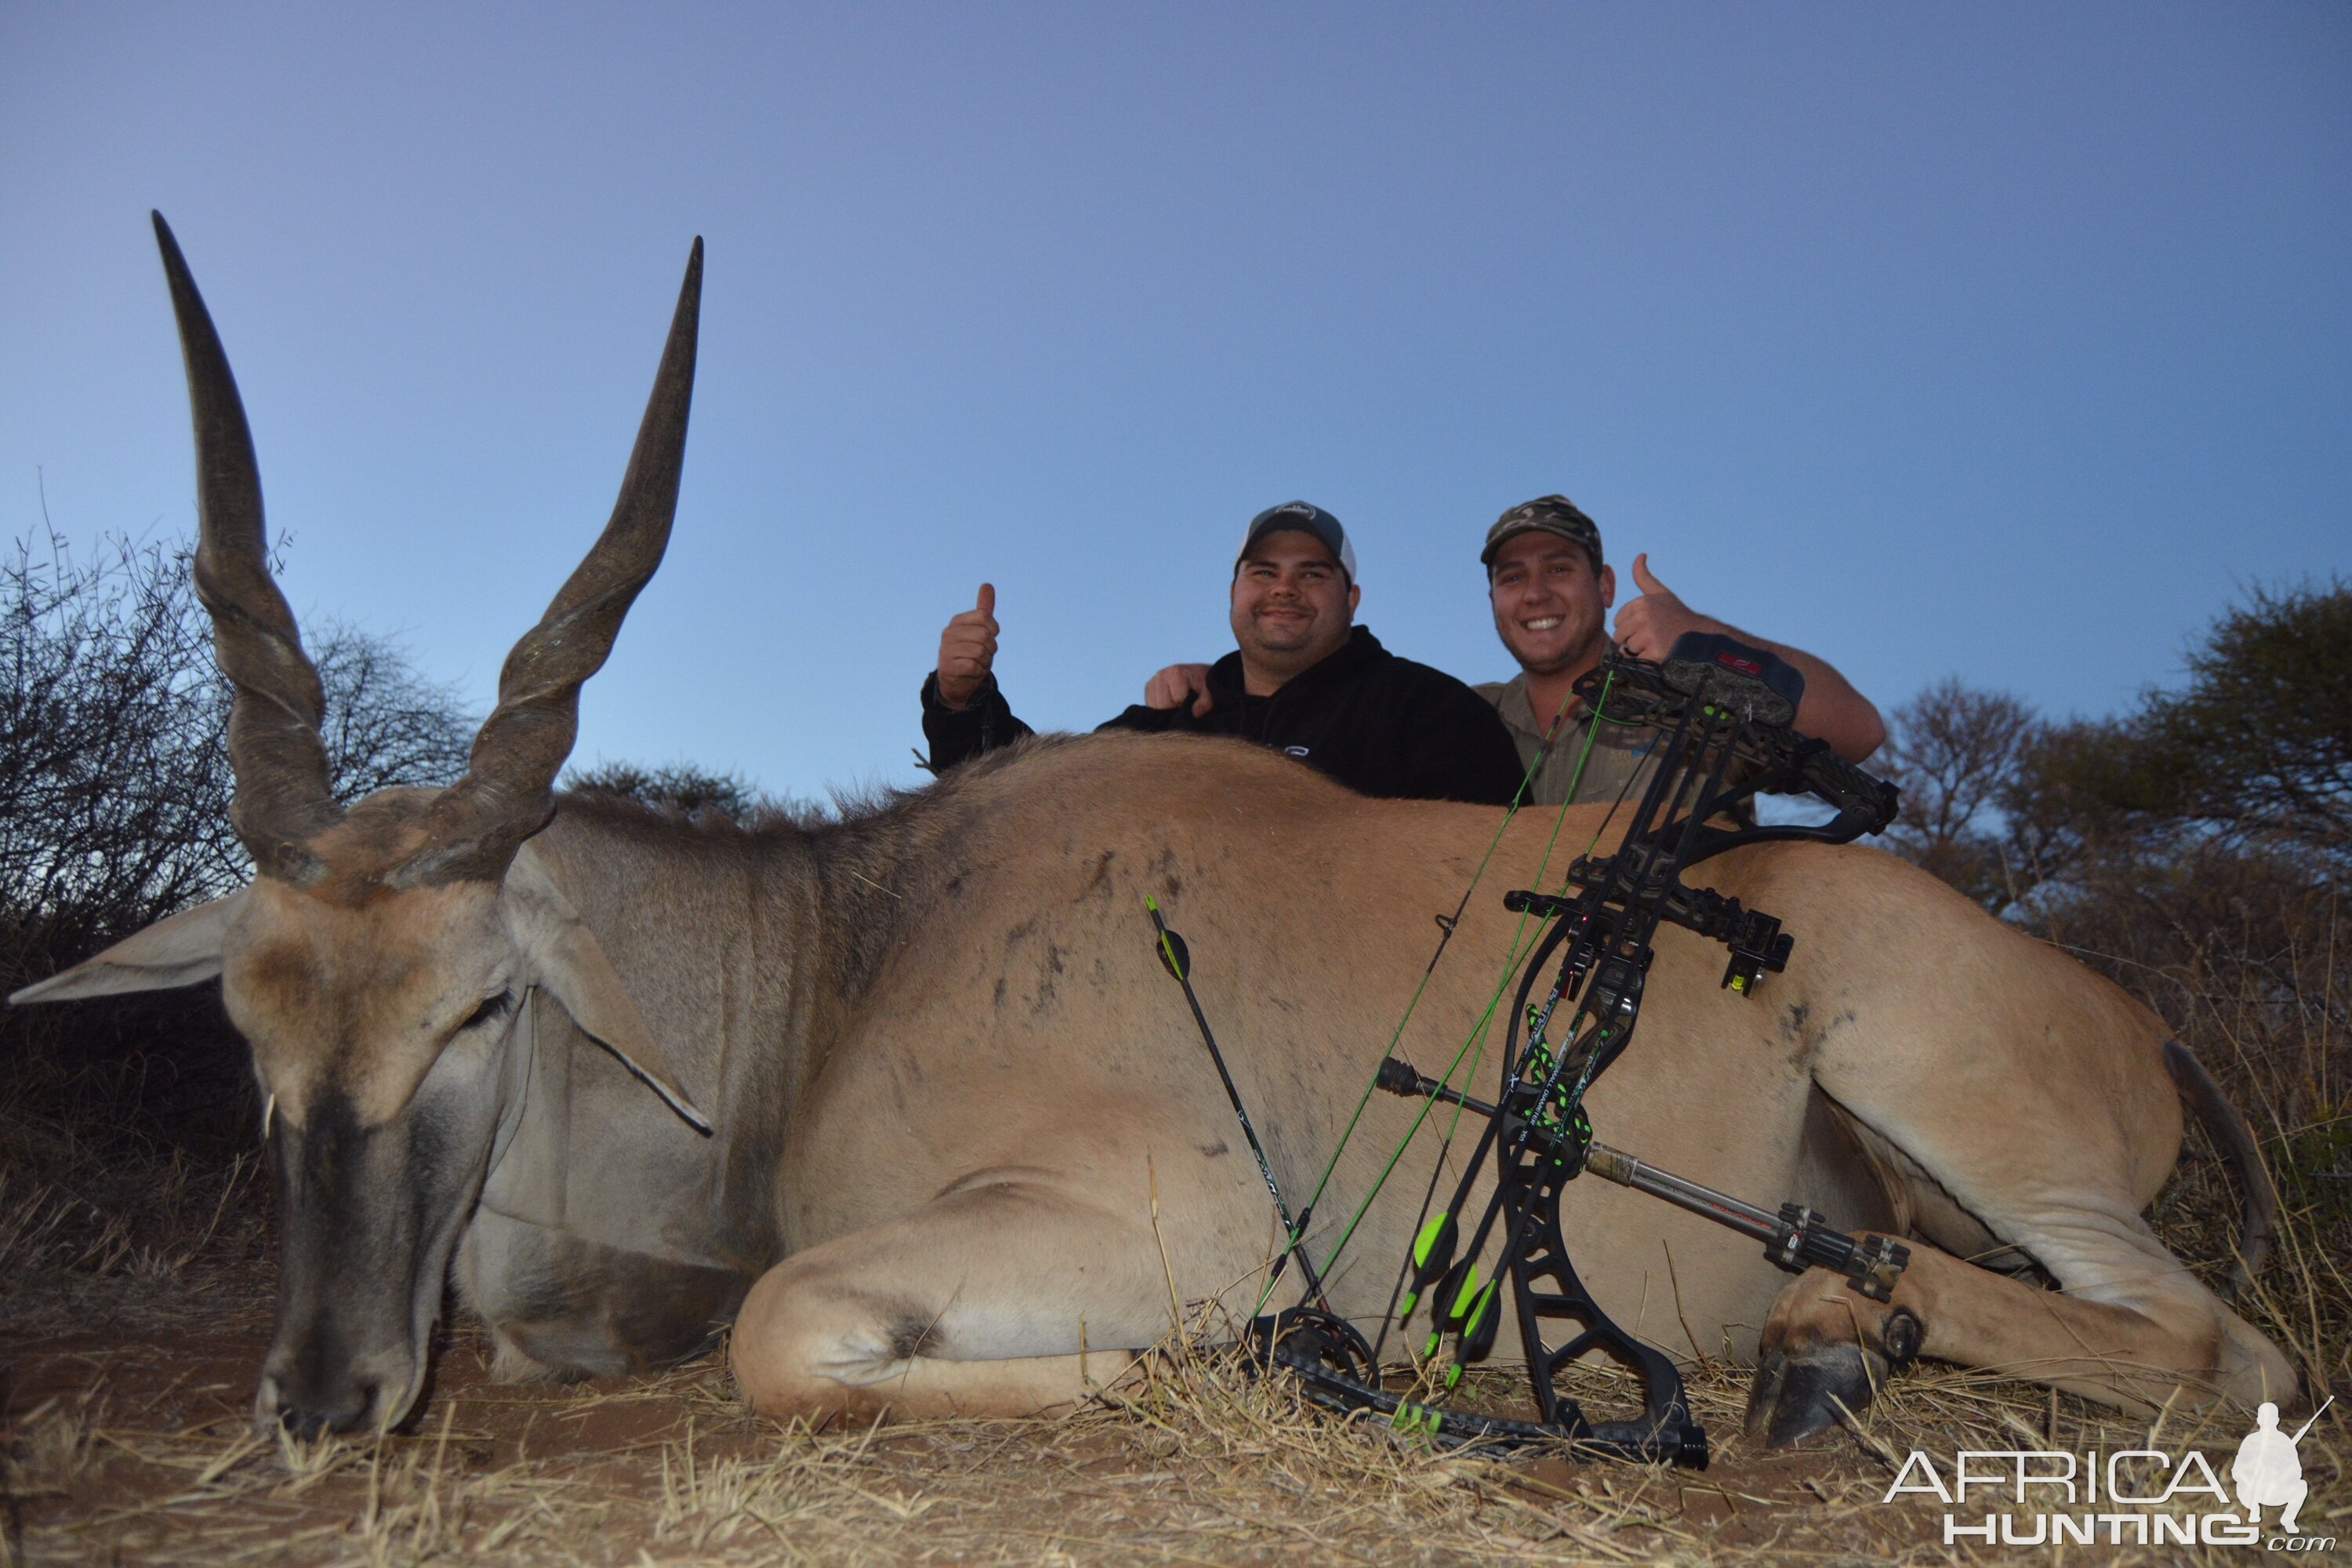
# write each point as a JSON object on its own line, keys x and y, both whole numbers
{"x": 1379, "y": 724}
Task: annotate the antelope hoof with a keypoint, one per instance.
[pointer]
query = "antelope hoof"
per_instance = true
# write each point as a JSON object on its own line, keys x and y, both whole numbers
{"x": 1797, "y": 1396}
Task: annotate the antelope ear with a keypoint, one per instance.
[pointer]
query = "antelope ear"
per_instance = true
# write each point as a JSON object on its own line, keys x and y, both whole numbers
{"x": 168, "y": 954}
{"x": 569, "y": 964}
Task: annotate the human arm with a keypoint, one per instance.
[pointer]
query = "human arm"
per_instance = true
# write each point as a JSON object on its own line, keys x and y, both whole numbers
{"x": 1832, "y": 710}
{"x": 964, "y": 713}
{"x": 1179, "y": 685}
{"x": 1194, "y": 709}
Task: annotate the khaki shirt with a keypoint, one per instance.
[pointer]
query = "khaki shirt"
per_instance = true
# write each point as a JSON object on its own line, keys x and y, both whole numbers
{"x": 1621, "y": 763}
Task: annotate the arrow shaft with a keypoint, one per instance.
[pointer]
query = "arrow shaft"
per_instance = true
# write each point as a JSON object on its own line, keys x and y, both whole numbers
{"x": 1290, "y": 1228}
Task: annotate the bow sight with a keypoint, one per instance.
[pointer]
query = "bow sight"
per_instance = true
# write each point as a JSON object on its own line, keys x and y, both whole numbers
{"x": 1723, "y": 713}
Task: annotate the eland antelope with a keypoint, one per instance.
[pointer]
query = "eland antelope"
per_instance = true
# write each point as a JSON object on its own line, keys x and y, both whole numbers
{"x": 904, "y": 1098}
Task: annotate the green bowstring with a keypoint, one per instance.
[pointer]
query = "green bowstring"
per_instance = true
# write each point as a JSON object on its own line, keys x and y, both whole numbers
{"x": 1516, "y": 955}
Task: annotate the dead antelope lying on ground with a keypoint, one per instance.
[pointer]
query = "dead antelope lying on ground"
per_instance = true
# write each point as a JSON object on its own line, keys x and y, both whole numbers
{"x": 916, "y": 1080}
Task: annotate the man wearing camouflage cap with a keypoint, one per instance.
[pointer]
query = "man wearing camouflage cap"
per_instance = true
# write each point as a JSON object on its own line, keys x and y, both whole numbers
{"x": 1551, "y": 589}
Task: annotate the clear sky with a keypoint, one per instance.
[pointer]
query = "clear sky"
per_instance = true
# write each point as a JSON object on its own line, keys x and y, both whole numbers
{"x": 2005, "y": 341}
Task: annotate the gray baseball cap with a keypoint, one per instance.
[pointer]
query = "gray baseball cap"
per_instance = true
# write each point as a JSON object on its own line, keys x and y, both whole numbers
{"x": 1546, "y": 514}
{"x": 1301, "y": 517}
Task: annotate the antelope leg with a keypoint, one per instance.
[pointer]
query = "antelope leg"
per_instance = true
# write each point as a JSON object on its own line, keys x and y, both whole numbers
{"x": 978, "y": 1303}
{"x": 1826, "y": 1341}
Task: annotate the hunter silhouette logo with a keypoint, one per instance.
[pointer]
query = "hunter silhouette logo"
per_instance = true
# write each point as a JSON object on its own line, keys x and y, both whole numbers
{"x": 2268, "y": 1471}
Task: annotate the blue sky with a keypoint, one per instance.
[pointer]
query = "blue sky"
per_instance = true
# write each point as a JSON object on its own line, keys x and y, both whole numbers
{"x": 2005, "y": 341}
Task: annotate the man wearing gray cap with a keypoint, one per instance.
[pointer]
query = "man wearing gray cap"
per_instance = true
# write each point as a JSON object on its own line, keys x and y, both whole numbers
{"x": 1551, "y": 590}
{"x": 1305, "y": 680}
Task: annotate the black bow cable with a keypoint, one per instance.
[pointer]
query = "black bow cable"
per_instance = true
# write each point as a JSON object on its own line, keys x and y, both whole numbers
{"x": 1533, "y": 964}
{"x": 1669, "y": 789}
{"x": 1478, "y": 1029}
{"x": 1433, "y": 1253}
{"x": 1528, "y": 1192}
{"x": 1595, "y": 1047}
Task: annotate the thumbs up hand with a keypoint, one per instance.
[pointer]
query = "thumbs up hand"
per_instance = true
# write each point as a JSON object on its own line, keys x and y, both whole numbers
{"x": 968, "y": 650}
{"x": 1648, "y": 626}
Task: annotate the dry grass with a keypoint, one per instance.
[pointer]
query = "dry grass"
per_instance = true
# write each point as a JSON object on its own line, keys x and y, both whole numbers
{"x": 1200, "y": 1464}
{"x": 137, "y": 1313}
{"x": 99, "y": 1238}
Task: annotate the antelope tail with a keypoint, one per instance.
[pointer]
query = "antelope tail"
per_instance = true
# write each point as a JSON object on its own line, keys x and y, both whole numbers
{"x": 2228, "y": 1129}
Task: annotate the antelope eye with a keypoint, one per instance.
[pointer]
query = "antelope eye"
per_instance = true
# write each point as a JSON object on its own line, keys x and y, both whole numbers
{"x": 492, "y": 1009}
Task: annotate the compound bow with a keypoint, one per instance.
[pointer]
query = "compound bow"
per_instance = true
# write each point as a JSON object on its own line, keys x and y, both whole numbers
{"x": 1724, "y": 711}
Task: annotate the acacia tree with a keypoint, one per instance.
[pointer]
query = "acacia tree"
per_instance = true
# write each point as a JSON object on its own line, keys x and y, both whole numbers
{"x": 1958, "y": 754}
{"x": 2249, "y": 760}
{"x": 676, "y": 786}
{"x": 114, "y": 774}
{"x": 2255, "y": 750}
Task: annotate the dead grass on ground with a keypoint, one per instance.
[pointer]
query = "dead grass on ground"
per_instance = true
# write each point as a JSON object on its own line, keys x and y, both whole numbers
{"x": 1200, "y": 1464}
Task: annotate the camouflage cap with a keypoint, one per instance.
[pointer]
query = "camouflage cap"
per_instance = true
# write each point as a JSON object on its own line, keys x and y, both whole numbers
{"x": 1550, "y": 514}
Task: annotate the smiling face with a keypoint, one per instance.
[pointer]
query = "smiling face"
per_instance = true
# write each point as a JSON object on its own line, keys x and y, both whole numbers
{"x": 1551, "y": 609}
{"x": 1292, "y": 607}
